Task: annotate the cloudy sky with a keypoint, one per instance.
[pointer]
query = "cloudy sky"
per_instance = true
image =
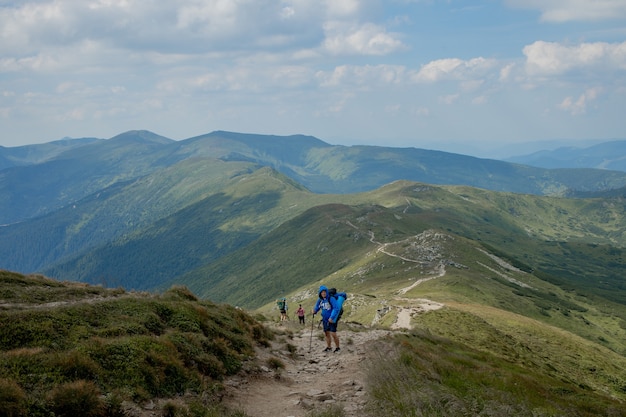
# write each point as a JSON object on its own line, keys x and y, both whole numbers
{"x": 420, "y": 73}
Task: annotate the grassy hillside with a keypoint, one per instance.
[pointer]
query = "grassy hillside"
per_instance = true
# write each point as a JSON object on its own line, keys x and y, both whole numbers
{"x": 299, "y": 252}
{"x": 33, "y": 190}
{"x": 511, "y": 339}
{"x": 38, "y": 153}
{"x": 488, "y": 362}
{"x": 72, "y": 349}
{"x": 237, "y": 211}
{"x": 518, "y": 227}
{"x": 118, "y": 210}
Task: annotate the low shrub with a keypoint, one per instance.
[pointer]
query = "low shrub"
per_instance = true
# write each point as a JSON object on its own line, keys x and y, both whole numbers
{"x": 275, "y": 363}
{"x": 78, "y": 398}
{"x": 12, "y": 399}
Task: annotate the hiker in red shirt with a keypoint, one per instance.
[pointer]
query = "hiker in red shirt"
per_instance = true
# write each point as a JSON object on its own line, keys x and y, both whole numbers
{"x": 300, "y": 312}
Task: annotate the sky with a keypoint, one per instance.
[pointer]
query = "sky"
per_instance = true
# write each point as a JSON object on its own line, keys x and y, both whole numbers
{"x": 455, "y": 75}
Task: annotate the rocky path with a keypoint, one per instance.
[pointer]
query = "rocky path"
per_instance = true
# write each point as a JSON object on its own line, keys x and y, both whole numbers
{"x": 311, "y": 379}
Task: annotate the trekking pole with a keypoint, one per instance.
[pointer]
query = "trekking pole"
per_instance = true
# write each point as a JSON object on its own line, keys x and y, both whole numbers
{"x": 311, "y": 339}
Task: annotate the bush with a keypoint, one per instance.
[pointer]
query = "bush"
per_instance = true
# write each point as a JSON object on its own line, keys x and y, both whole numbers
{"x": 77, "y": 365}
{"x": 78, "y": 398}
{"x": 275, "y": 363}
{"x": 180, "y": 292}
{"x": 12, "y": 399}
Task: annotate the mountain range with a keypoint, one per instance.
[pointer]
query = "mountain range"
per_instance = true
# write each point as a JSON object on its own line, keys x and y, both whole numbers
{"x": 607, "y": 155}
{"x": 140, "y": 210}
{"x": 38, "y": 179}
{"x": 525, "y": 266}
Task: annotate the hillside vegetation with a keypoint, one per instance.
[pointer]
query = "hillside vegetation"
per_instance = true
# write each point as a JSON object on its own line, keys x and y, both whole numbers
{"x": 484, "y": 368}
{"x": 72, "y": 349}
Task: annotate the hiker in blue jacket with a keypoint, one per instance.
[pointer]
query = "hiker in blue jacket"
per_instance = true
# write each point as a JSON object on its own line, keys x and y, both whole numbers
{"x": 330, "y": 307}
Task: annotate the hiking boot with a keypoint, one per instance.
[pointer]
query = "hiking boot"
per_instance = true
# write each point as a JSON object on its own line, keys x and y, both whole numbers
{"x": 327, "y": 349}
{"x": 337, "y": 350}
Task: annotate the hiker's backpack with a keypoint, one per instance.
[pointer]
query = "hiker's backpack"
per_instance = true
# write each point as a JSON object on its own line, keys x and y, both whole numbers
{"x": 333, "y": 293}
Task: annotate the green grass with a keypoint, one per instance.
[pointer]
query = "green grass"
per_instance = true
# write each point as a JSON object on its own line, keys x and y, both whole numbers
{"x": 425, "y": 374}
{"x": 129, "y": 346}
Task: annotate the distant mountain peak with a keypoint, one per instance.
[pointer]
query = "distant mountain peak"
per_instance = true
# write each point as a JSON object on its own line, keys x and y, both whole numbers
{"x": 141, "y": 136}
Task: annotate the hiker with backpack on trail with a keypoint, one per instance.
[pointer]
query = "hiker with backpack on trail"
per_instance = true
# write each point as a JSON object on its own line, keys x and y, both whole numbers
{"x": 282, "y": 306}
{"x": 330, "y": 303}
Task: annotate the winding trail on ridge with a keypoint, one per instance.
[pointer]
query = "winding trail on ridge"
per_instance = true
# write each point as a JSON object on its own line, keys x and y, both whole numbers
{"x": 416, "y": 305}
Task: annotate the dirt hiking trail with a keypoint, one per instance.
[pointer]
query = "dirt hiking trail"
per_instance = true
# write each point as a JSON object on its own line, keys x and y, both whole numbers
{"x": 309, "y": 380}
{"x": 312, "y": 379}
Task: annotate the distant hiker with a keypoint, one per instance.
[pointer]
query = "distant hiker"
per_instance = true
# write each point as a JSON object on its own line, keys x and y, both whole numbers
{"x": 300, "y": 312}
{"x": 282, "y": 306}
{"x": 331, "y": 306}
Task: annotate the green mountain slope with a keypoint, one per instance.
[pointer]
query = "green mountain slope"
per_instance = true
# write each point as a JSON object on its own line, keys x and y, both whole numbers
{"x": 35, "y": 154}
{"x": 116, "y": 211}
{"x": 461, "y": 362}
{"x": 564, "y": 342}
{"x": 243, "y": 207}
{"x": 376, "y": 251}
{"x": 255, "y": 235}
{"x": 34, "y": 190}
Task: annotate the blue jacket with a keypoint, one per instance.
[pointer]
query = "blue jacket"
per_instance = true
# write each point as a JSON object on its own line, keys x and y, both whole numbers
{"x": 330, "y": 306}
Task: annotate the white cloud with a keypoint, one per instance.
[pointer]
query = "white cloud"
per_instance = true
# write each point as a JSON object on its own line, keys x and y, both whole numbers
{"x": 342, "y": 8}
{"x": 183, "y": 25}
{"x": 194, "y": 26}
{"x": 43, "y": 62}
{"x": 454, "y": 69}
{"x": 313, "y": 66}
{"x": 362, "y": 75}
{"x": 579, "y": 106}
{"x": 505, "y": 72}
{"x": 550, "y": 58}
{"x": 366, "y": 39}
{"x": 574, "y": 10}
